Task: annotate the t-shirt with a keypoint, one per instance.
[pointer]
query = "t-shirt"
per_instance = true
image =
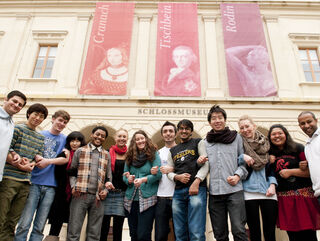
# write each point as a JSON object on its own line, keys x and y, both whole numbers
{"x": 53, "y": 145}
{"x": 290, "y": 161}
{"x": 185, "y": 156}
{"x": 166, "y": 186}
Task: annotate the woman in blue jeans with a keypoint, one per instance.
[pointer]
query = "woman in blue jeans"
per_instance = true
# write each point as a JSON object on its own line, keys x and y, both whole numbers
{"x": 141, "y": 193}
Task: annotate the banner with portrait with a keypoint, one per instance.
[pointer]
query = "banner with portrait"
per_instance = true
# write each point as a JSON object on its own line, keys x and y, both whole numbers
{"x": 177, "y": 61}
{"x": 247, "y": 58}
{"x": 106, "y": 66}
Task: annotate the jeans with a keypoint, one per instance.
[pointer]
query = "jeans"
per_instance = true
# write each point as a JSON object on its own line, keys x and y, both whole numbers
{"x": 78, "y": 208}
{"x": 39, "y": 200}
{"x": 163, "y": 216}
{"x": 140, "y": 224}
{"x": 269, "y": 212}
{"x": 189, "y": 214}
{"x": 219, "y": 207}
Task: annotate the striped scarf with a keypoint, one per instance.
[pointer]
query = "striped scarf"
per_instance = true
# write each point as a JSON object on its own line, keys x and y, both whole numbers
{"x": 84, "y": 170}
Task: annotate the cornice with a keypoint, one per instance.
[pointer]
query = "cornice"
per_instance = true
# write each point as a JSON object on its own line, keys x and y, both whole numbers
{"x": 202, "y": 4}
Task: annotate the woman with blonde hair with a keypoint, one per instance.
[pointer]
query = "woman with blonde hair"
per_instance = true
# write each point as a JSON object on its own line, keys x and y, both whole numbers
{"x": 113, "y": 204}
{"x": 141, "y": 193}
{"x": 259, "y": 187}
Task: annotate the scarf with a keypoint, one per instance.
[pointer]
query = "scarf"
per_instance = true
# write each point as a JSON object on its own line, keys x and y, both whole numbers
{"x": 225, "y": 136}
{"x": 116, "y": 150}
{"x": 84, "y": 170}
{"x": 258, "y": 149}
{"x": 140, "y": 160}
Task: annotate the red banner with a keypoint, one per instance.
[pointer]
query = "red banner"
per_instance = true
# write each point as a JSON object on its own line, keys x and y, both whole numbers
{"x": 177, "y": 62}
{"x": 248, "y": 65}
{"x": 106, "y": 67}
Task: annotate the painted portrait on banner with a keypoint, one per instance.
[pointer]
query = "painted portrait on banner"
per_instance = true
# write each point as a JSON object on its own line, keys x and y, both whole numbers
{"x": 106, "y": 68}
{"x": 248, "y": 62}
{"x": 177, "y": 62}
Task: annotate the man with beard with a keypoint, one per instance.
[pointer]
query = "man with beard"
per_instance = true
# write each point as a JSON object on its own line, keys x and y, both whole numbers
{"x": 190, "y": 195}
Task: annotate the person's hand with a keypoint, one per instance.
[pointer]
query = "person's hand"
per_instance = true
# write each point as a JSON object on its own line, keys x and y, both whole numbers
{"x": 38, "y": 158}
{"x": 184, "y": 178}
{"x": 75, "y": 193}
{"x": 271, "y": 190}
{"x": 272, "y": 159}
{"x": 166, "y": 169}
{"x": 131, "y": 178}
{"x": 154, "y": 170}
{"x": 43, "y": 163}
{"x": 202, "y": 159}
{"x": 103, "y": 194}
{"x": 248, "y": 159}
{"x": 126, "y": 174}
{"x": 233, "y": 180}
{"x": 137, "y": 182}
{"x": 194, "y": 188}
{"x": 24, "y": 161}
{"x": 285, "y": 173}
{"x": 15, "y": 158}
{"x": 109, "y": 186}
{"x": 29, "y": 166}
{"x": 303, "y": 165}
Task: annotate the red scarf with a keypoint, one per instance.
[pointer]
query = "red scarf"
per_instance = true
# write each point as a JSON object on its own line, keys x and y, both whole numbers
{"x": 113, "y": 150}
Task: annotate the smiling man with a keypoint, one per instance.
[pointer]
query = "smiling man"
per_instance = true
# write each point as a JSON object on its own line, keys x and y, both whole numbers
{"x": 43, "y": 181}
{"x": 166, "y": 187}
{"x": 226, "y": 193}
{"x": 93, "y": 167}
{"x": 190, "y": 195}
{"x": 309, "y": 125}
{"x": 12, "y": 104}
{"x": 14, "y": 188}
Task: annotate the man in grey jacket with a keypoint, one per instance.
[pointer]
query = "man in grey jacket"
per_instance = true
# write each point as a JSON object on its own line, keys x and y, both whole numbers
{"x": 226, "y": 193}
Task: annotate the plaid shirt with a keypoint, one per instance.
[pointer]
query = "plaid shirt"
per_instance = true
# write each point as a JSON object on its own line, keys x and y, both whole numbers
{"x": 84, "y": 169}
{"x": 144, "y": 203}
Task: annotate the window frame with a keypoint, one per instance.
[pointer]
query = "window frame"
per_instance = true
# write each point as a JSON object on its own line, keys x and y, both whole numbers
{"x": 312, "y": 71}
{"x": 45, "y": 59}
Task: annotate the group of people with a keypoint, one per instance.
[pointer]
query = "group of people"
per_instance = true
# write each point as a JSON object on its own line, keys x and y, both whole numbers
{"x": 47, "y": 175}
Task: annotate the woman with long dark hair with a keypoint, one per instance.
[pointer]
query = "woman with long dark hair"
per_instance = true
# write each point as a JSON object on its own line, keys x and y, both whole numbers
{"x": 59, "y": 212}
{"x": 298, "y": 209}
{"x": 141, "y": 194}
{"x": 113, "y": 204}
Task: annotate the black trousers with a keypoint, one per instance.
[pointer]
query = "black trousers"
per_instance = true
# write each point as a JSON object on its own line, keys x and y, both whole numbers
{"x": 304, "y": 235}
{"x": 269, "y": 212}
{"x": 116, "y": 228}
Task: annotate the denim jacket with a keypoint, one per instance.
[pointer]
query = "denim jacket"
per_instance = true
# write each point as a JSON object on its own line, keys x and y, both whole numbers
{"x": 258, "y": 180}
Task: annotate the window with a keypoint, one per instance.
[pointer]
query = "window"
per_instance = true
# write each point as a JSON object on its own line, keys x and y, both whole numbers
{"x": 310, "y": 63}
{"x": 45, "y": 61}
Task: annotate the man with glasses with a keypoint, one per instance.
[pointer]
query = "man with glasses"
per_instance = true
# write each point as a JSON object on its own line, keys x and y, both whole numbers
{"x": 190, "y": 195}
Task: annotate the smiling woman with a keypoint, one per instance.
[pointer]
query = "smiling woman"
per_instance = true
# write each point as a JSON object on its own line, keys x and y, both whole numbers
{"x": 297, "y": 206}
{"x": 259, "y": 187}
{"x": 142, "y": 185}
